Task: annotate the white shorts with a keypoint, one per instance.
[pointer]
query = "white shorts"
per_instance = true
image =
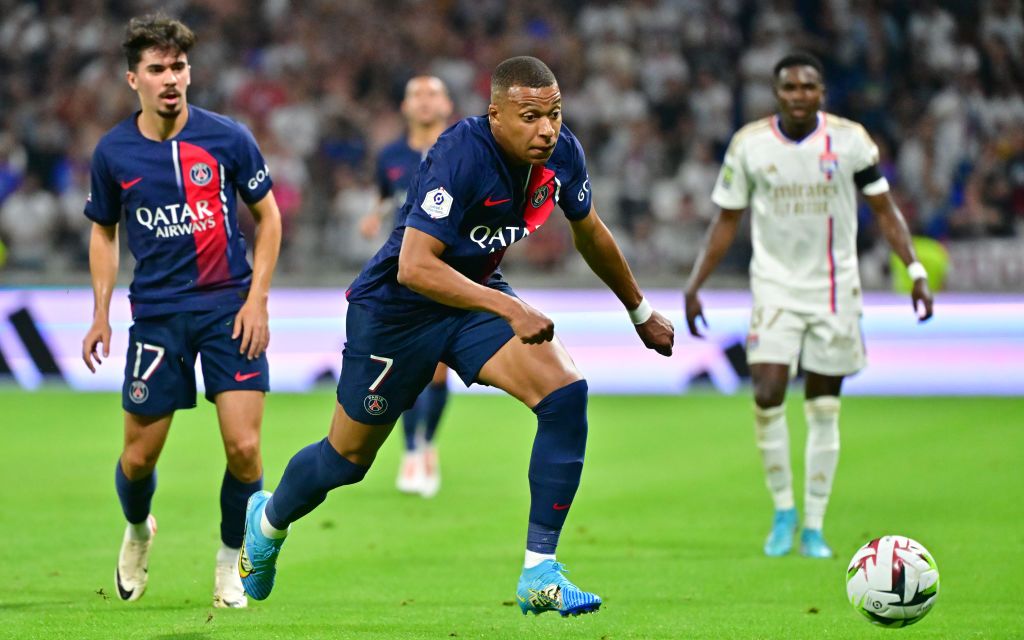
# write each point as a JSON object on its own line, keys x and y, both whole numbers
{"x": 829, "y": 344}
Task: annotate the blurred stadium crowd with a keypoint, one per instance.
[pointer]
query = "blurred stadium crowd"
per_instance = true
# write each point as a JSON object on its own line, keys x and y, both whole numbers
{"x": 653, "y": 88}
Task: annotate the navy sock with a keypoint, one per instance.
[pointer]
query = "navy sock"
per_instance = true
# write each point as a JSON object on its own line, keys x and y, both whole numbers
{"x": 234, "y": 494}
{"x": 435, "y": 397}
{"x": 411, "y": 420}
{"x": 310, "y": 474}
{"x": 135, "y": 495}
{"x": 556, "y": 463}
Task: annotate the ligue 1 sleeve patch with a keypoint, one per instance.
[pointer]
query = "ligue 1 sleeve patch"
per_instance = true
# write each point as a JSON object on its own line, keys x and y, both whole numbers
{"x": 437, "y": 203}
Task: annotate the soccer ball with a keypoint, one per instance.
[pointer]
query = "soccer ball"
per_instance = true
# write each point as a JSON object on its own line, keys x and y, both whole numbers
{"x": 893, "y": 581}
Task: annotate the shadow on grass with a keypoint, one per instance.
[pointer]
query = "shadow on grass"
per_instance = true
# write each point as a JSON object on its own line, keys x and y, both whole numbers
{"x": 13, "y": 606}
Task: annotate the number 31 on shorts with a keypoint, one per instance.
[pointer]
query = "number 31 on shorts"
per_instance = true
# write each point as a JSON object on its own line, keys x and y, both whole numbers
{"x": 140, "y": 348}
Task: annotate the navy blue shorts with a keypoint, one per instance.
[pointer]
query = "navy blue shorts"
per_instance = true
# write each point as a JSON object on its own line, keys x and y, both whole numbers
{"x": 160, "y": 370}
{"x": 387, "y": 362}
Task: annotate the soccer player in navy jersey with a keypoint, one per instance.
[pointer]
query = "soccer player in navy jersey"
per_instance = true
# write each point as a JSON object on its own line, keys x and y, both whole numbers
{"x": 169, "y": 175}
{"x": 434, "y": 293}
{"x": 426, "y": 108}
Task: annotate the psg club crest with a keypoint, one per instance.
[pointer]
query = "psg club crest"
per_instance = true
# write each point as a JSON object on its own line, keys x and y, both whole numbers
{"x": 375, "y": 404}
{"x": 138, "y": 392}
{"x": 539, "y": 196}
{"x": 201, "y": 174}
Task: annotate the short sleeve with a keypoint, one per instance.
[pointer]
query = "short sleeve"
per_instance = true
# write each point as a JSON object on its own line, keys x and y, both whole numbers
{"x": 103, "y": 205}
{"x": 732, "y": 188}
{"x": 575, "y": 196}
{"x": 865, "y": 160}
{"x": 384, "y": 186}
{"x": 439, "y": 195}
{"x": 252, "y": 177}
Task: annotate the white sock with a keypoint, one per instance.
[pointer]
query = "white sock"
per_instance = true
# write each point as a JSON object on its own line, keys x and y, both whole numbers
{"x": 773, "y": 441}
{"x": 822, "y": 415}
{"x": 269, "y": 530}
{"x": 227, "y": 555}
{"x": 140, "y": 531}
{"x": 533, "y": 559}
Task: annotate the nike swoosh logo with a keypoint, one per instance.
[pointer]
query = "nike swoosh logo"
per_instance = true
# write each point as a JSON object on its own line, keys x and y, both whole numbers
{"x": 242, "y": 377}
{"x": 129, "y": 184}
{"x": 491, "y": 203}
{"x": 561, "y": 507}
{"x": 121, "y": 591}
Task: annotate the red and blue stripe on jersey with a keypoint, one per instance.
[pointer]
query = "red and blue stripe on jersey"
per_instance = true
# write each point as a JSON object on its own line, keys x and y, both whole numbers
{"x": 176, "y": 200}
{"x": 491, "y": 205}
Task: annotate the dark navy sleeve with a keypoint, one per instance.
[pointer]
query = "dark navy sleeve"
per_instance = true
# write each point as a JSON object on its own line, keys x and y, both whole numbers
{"x": 574, "y": 197}
{"x": 103, "y": 205}
{"x": 252, "y": 176}
{"x": 384, "y": 186}
{"x": 445, "y": 187}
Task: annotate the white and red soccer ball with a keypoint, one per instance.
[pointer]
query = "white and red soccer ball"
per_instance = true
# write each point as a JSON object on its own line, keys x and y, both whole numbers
{"x": 893, "y": 581}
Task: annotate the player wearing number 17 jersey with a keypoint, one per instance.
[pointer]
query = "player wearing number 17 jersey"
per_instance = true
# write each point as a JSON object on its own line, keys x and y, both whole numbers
{"x": 434, "y": 293}
{"x": 169, "y": 176}
{"x": 799, "y": 173}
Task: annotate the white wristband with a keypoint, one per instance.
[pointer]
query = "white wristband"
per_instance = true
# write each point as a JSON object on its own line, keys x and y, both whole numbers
{"x": 642, "y": 313}
{"x": 916, "y": 271}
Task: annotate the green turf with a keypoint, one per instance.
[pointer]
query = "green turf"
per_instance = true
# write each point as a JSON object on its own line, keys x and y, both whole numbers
{"x": 667, "y": 526}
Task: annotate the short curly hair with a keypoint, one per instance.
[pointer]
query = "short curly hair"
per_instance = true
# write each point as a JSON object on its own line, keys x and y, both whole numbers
{"x": 155, "y": 30}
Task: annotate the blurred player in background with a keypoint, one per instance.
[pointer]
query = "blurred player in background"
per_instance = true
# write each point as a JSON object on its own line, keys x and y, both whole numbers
{"x": 426, "y": 108}
{"x": 173, "y": 171}
{"x": 799, "y": 172}
{"x": 434, "y": 293}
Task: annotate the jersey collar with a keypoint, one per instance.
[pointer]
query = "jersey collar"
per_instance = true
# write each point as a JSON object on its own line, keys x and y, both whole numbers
{"x": 818, "y": 130}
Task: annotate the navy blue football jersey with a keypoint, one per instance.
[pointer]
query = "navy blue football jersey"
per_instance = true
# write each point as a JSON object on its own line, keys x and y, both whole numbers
{"x": 470, "y": 198}
{"x": 396, "y": 165}
{"x": 177, "y": 199}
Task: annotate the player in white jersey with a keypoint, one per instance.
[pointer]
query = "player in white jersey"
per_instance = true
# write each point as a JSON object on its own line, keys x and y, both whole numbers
{"x": 798, "y": 171}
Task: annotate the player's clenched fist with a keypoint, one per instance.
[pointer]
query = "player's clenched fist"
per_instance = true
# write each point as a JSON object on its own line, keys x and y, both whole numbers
{"x": 98, "y": 334}
{"x": 532, "y": 326}
{"x": 657, "y": 333}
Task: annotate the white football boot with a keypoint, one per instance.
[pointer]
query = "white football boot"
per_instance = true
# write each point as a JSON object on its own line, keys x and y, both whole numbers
{"x": 132, "y": 572}
{"x": 227, "y": 586}
{"x": 410, "y": 472}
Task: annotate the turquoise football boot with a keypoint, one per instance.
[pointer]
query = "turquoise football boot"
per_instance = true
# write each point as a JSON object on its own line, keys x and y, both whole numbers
{"x": 813, "y": 545}
{"x": 780, "y": 539}
{"x": 258, "y": 559}
{"x": 545, "y": 588}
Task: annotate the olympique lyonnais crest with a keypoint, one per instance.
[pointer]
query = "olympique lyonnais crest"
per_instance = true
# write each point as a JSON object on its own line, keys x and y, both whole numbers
{"x": 539, "y": 196}
{"x": 375, "y": 404}
{"x": 200, "y": 174}
{"x": 138, "y": 392}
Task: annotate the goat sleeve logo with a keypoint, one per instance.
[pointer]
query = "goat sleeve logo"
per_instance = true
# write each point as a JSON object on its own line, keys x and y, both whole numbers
{"x": 375, "y": 404}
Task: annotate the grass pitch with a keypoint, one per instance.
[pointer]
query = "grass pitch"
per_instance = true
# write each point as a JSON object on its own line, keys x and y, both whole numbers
{"x": 667, "y": 526}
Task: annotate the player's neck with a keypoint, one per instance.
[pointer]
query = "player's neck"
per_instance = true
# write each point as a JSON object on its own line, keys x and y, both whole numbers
{"x": 795, "y": 130}
{"x": 153, "y": 126}
{"x": 422, "y": 138}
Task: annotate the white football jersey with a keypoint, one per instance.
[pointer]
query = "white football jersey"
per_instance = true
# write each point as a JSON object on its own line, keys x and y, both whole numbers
{"x": 803, "y": 204}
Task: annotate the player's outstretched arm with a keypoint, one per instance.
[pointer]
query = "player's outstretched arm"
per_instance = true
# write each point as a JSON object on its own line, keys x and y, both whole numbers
{"x": 421, "y": 269}
{"x": 896, "y": 233}
{"x": 719, "y": 238}
{"x": 252, "y": 321}
{"x": 598, "y": 247}
{"x": 103, "y": 260}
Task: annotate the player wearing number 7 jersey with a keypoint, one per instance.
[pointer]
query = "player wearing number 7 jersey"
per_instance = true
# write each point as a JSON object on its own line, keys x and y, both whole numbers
{"x": 173, "y": 170}
{"x": 434, "y": 293}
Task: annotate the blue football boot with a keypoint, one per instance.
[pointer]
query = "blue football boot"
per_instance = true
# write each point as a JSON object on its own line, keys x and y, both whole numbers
{"x": 813, "y": 545}
{"x": 780, "y": 539}
{"x": 545, "y": 588}
{"x": 258, "y": 559}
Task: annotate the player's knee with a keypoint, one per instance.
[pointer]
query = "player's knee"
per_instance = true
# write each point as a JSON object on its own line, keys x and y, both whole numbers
{"x": 243, "y": 452}
{"x": 767, "y": 395}
{"x": 137, "y": 462}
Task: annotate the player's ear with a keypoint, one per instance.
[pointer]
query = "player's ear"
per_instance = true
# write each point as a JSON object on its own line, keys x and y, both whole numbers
{"x": 492, "y": 113}
{"x": 133, "y": 80}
